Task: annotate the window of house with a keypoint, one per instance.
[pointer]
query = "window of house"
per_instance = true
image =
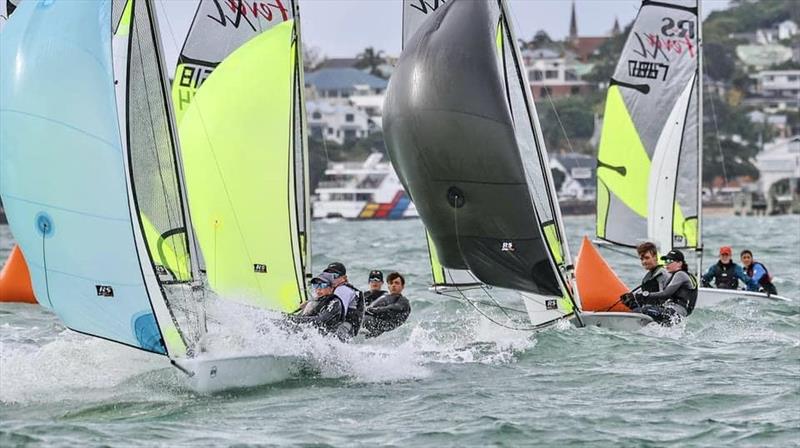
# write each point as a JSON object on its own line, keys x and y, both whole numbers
{"x": 536, "y": 75}
{"x": 551, "y": 74}
{"x": 349, "y": 118}
{"x": 330, "y": 131}
{"x": 316, "y": 115}
{"x": 570, "y": 75}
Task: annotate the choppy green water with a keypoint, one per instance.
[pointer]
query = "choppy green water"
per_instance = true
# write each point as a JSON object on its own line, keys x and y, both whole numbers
{"x": 731, "y": 377}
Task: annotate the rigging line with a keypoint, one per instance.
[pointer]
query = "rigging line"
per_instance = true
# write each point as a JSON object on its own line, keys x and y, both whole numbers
{"x": 225, "y": 188}
{"x": 716, "y": 135}
{"x": 138, "y": 37}
{"x": 491, "y": 319}
{"x": 558, "y": 118}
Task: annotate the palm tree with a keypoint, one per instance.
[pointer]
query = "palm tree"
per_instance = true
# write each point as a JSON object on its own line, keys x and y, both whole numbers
{"x": 369, "y": 58}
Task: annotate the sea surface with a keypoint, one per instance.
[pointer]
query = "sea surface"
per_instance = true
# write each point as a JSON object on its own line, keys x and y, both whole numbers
{"x": 729, "y": 377}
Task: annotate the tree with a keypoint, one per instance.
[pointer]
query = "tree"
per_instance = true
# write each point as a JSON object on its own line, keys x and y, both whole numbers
{"x": 371, "y": 59}
{"x": 577, "y": 118}
{"x": 312, "y": 57}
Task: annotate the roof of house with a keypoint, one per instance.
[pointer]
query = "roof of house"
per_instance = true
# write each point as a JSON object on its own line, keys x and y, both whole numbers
{"x": 586, "y": 46}
{"x": 338, "y": 63}
{"x": 343, "y": 79}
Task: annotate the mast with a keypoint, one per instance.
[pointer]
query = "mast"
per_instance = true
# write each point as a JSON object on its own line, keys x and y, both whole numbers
{"x": 306, "y": 240}
{"x": 545, "y": 161}
{"x": 700, "y": 91}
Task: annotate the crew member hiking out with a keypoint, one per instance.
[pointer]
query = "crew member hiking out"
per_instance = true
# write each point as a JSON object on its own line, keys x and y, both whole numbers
{"x": 375, "y": 287}
{"x": 352, "y": 299}
{"x": 726, "y": 274}
{"x": 758, "y": 273}
{"x": 678, "y": 298}
{"x": 655, "y": 279}
{"x": 390, "y": 310}
{"x": 326, "y": 310}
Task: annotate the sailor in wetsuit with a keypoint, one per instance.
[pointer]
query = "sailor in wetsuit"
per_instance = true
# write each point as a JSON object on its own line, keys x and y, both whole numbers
{"x": 726, "y": 274}
{"x": 352, "y": 299}
{"x": 758, "y": 273}
{"x": 388, "y": 311}
{"x": 678, "y": 298}
{"x": 325, "y": 310}
{"x": 375, "y": 287}
{"x": 656, "y": 277}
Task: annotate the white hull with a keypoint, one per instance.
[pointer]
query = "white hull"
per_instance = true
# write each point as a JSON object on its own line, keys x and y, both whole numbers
{"x": 613, "y": 320}
{"x": 217, "y": 374}
{"x": 709, "y": 297}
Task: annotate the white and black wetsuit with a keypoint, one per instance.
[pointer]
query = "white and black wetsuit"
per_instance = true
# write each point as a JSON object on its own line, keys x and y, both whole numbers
{"x": 326, "y": 313}
{"x": 353, "y": 301}
{"x": 675, "y": 302}
{"x": 385, "y": 314}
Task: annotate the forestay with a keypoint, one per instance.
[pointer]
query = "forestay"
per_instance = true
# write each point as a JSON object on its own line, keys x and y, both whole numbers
{"x": 72, "y": 132}
{"x": 238, "y": 93}
{"x": 468, "y": 150}
{"x": 648, "y": 162}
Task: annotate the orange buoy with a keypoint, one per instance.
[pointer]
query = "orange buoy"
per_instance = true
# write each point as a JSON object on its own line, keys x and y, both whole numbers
{"x": 15, "y": 279}
{"x": 598, "y": 285}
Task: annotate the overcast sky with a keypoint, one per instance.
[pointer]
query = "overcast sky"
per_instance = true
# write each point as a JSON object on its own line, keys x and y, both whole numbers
{"x": 343, "y": 28}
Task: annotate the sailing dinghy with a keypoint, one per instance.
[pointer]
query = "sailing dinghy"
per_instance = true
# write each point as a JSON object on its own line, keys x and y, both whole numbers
{"x": 238, "y": 97}
{"x": 88, "y": 174}
{"x": 94, "y": 188}
{"x": 649, "y": 161}
{"x": 463, "y": 135}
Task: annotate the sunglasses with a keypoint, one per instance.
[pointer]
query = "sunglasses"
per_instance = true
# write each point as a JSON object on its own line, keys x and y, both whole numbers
{"x": 320, "y": 285}
{"x": 375, "y": 279}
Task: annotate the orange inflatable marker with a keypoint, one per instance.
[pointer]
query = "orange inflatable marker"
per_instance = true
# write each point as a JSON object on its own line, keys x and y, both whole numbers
{"x": 15, "y": 279}
{"x": 598, "y": 285}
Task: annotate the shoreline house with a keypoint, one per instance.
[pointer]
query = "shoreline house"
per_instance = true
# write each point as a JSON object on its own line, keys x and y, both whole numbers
{"x": 344, "y": 103}
{"x": 576, "y": 173}
{"x": 779, "y": 164}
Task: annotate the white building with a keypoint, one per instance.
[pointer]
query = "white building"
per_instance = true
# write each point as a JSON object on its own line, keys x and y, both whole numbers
{"x": 336, "y": 121}
{"x": 549, "y": 71}
{"x": 778, "y": 89}
{"x": 579, "y": 176}
{"x": 779, "y": 162}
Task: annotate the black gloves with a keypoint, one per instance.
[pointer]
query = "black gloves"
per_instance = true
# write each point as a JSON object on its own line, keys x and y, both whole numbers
{"x": 629, "y": 300}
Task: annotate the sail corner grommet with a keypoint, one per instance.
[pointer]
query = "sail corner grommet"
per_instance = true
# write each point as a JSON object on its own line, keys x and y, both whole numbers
{"x": 455, "y": 197}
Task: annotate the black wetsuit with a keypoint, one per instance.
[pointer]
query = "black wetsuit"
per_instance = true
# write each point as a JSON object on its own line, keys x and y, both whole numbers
{"x": 654, "y": 280}
{"x": 326, "y": 313}
{"x": 371, "y": 296}
{"x": 385, "y": 314}
{"x": 675, "y": 302}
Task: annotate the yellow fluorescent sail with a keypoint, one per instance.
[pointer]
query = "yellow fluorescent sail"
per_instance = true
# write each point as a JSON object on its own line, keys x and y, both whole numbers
{"x": 236, "y": 138}
{"x": 624, "y": 166}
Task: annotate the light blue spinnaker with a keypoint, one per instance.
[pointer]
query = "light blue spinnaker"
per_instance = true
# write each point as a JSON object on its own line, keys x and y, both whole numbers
{"x": 63, "y": 176}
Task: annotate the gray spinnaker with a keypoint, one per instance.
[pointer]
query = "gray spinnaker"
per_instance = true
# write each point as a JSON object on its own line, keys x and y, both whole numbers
{"x": 458, "y": 151}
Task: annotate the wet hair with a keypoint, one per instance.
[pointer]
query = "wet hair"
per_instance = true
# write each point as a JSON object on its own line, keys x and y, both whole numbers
{"x": 746, "y": 251}
{"x": 645, "y": 248}
{"x": 390, "y": 278}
